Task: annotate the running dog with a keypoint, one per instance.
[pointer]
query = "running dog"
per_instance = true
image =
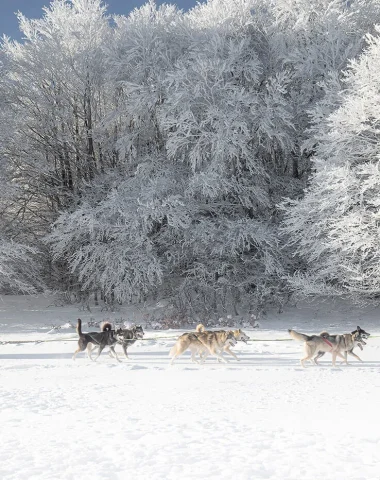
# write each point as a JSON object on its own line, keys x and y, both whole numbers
{"x": 212, "y": 342}
{"x": 128, "y": 336}
{"x": 106, "y": 338}
{"x": 355, "y": 339}
{"x": 334, "y": 344}
{"x": 239, "y": 335}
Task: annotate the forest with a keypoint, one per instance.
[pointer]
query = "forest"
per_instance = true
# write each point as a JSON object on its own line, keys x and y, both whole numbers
{"x": 223, "y": 158}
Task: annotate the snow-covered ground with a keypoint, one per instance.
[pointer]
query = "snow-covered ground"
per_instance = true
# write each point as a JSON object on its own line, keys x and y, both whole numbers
{"x": 264, "y": 417}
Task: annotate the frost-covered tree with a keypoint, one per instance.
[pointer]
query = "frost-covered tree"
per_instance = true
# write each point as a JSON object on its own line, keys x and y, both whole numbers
{"x": 227, "y": 121}
{"x": 19, "y": 270}
{"x": 210, "y": 118}
{"x": 197, "y": 122}
{"x": 55, "y": 95}
{"x": 159, "y": 148}
{"x": 314, "y": 42}
{"x": 335, "y": 227}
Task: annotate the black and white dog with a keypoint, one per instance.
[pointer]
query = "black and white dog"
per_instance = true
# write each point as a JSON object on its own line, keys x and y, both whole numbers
{"x": 106, "y": 338}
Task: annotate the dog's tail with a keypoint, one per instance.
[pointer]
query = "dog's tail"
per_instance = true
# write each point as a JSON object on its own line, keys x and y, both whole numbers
{"x": 200, "y": 328}
{"x": 106, "y": 327}
{"x": 301, "y": 337}
{"x": 79, "y": 327}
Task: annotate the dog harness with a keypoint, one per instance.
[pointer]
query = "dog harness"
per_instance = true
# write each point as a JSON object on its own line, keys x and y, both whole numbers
{"x": 328, "y": 343}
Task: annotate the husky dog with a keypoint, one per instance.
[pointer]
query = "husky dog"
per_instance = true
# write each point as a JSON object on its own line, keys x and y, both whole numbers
{"x": 107, "y": 338}
{"x": 239, "y": 335}
{"x": 320, "y": 343}
{"x": 128, "y": 336}
{"x": 350, "y": 341}
{"x": 186, "y": 341}
{"x": 212, "y": 342}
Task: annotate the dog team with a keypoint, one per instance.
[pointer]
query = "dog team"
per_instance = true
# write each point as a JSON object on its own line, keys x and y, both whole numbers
{"x": 203, "y": 343}
{"x": 107, "y": 337}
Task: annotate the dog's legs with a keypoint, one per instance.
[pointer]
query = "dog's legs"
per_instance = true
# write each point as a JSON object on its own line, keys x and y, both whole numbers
{"x": 337, "y": 354}
{"x": 227, "y": 349}
{"x": 176, "y": 355}
{"x": 90, "y": 349}
{"x": 354, "y": 355}
{"x": 204, "y": 355}
{"x": 309, "y": 353}
{"x": 179, "y": 350}
{"x": 125, "y": 346}
{"x": 317, "y": 357}
{"x": 219, "y": 356}
{"x": 194, "y": 351}
{"x": 344, "y": 357}
{"x": 112, "y": 349}
{"x": 193, "y": 356}
{"x": 305, "y": 359}
{"x": 101, "y": 347}
{"x": 79, "y": 349}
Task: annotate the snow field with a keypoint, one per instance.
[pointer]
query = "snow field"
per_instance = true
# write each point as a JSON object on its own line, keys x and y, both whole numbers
{"x": 264, "y": 417}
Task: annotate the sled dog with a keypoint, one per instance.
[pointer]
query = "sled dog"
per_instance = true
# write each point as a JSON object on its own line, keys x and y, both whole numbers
{"x": 239, "y": 335}
{"x": 212, "y": 342}
{"x": 126, "y": 336}
{"x": 355, "y": 339}
{"x": 106, "y": 338}
{"x": 320, "y": 343}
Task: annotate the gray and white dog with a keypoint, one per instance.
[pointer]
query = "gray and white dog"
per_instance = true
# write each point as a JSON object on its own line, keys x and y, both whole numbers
{"x": 355, "y": 339}
{"x": 126, "y": 336}
{"x": 314, "y": 345}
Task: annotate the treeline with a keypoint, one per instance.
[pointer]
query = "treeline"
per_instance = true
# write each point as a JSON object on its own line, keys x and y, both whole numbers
{"x": 219, "y": 157}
